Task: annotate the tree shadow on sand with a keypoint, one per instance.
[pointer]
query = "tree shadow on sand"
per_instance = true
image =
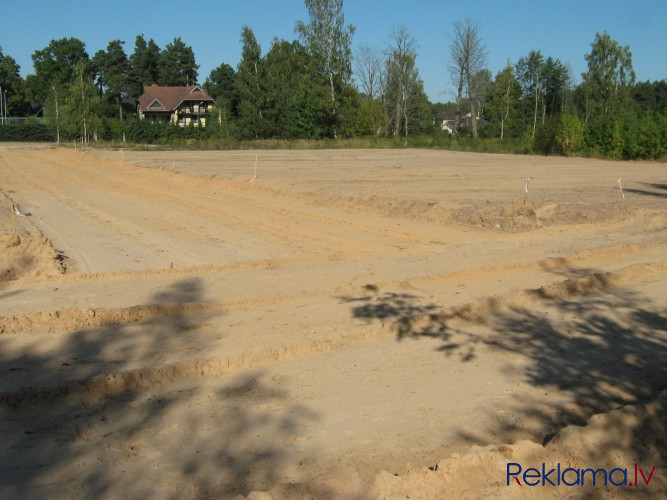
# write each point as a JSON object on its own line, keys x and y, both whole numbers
{"x": 106, "y": 413}
{"x": 654, "y": 189}
{"x": 603, "y": 345}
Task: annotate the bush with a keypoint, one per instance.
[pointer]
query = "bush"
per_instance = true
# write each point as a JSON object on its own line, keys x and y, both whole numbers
{"x": 143, "y": 131}
{"x": 26, "y": 132}
{"x": 569, "y": 134}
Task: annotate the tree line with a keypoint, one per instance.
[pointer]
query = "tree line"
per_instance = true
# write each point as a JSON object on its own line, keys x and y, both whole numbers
{"x": 313, "y": 87}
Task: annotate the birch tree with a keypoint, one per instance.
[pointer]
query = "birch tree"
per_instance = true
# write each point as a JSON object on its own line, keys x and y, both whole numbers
{"x": 609, "y": 74}
{"x": 468, "y": 57}
{"x": 529, "y": 71}
{"x": 404, "y": 90}
{"x": 329, "y": 42}
{"x": 368, "y": 70}
{"x": 80, "y": 103}
{"x": 504, "y": 96}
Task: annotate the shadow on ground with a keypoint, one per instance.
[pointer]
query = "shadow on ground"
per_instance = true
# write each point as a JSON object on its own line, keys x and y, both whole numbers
{"x": 653, "y": 189}
{"x": 603, "y": 346}
{"x": 69, "y": 429}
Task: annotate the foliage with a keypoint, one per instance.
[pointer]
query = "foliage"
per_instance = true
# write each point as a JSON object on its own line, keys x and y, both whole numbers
{"x": 250, "y": 90}
{"x": 11, "y": 84}
{"x": 569, "y": 135}
{"x": 221, "y": 86}
{"x": 529, "y": 74}
{"x": 112, "y": 67}
{"x": 177, "y": 64}
{"x": 404, "y": 91}
{"x": 329, "y": 41}
{"x": 26, "y": 132}
{"x": 143, "y": 131}
{"x": 504, "y": 96}
{"x": 144, "y": 66}
{"x": 81, "y": 99}
{"x": 370, "y": 118}
{"x": 55, "y": 66}
{"x": 608, "y": 77}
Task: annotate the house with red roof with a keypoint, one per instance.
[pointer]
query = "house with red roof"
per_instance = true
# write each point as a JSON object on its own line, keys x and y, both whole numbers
{"x": 179, "y": 105}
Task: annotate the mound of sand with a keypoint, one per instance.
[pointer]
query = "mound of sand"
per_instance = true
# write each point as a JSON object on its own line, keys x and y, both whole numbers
{"x": 527, "y": 215}
{"x": 25, "y": 257}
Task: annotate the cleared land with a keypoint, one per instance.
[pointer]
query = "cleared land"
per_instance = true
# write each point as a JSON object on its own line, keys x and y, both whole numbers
{"x": 327, "y": 324}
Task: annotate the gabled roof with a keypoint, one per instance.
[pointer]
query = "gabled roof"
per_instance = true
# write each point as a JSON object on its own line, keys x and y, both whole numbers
{"x": 156, "y": 98}
{"x": 445, "y": 116}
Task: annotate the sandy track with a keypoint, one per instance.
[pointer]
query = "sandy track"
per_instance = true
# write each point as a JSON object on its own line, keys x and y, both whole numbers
{"x": 345, "y": 313}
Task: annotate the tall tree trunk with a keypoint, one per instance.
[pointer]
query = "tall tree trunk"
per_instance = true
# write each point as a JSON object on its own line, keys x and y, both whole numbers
{"x": 459, "y": 98}
{"x": 507, "y": 112}
{"x": 537, "y": 95}
{"x": 473, "y": 117}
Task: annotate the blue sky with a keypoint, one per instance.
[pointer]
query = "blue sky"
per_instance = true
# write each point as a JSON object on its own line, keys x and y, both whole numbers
{"x": 510, "y": 29}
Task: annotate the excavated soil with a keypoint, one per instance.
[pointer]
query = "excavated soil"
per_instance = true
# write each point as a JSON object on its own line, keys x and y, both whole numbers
{"x": 330, "y": 324}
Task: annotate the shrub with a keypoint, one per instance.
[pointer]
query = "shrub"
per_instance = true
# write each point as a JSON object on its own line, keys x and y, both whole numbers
{"x": 26, "y": 132}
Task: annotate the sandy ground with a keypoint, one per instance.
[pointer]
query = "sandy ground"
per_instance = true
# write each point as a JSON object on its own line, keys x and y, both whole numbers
{"x": 329, "y": 324}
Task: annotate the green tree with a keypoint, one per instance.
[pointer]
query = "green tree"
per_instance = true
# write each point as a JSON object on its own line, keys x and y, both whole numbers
{"x": 55, "y": 65}
{"x": 329, "y": 42}
{"x": 643, "y": 137}
{"x": 647, "y": 96}
{"x": 292, "y": 106}
{"x": 53, "y": 110}
{"x": 221, "y": 85}
{"x": 177, "y": 64}
{"x": 480, "y": 89}
{"x": 608, "y": 77}
{"x": 402, "y": 79}
{"x": 505, "y": 93}
{"x": 555, "y": 86}
{"x": 80, "y": 103}
{"x": 144, "y": 66}
{"x": 112, "y": 67}
{"x": 249, "y": 79}
{"x": 569, "y": 134}
{"x": 529, "y": 72}
{"x": 11, "y": 84}
{"x": 371, "y": 119}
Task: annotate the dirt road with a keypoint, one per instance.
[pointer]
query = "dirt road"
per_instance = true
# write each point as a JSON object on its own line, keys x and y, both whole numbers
{"x": 206, "y": 324}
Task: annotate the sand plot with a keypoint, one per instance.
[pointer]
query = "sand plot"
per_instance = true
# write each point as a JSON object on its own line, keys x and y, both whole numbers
{"x": 184, "y": 332}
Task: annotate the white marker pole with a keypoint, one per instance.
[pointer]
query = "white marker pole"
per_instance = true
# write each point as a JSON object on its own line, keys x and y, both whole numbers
{"x": 620, "y": 188}
{"x": 527, "y": 179}
{"x": 13, "y": 219}
{"x": 255, "y": 175}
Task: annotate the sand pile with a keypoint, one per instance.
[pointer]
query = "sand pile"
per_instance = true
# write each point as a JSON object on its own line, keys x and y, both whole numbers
{"x": 28, "y": 257}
